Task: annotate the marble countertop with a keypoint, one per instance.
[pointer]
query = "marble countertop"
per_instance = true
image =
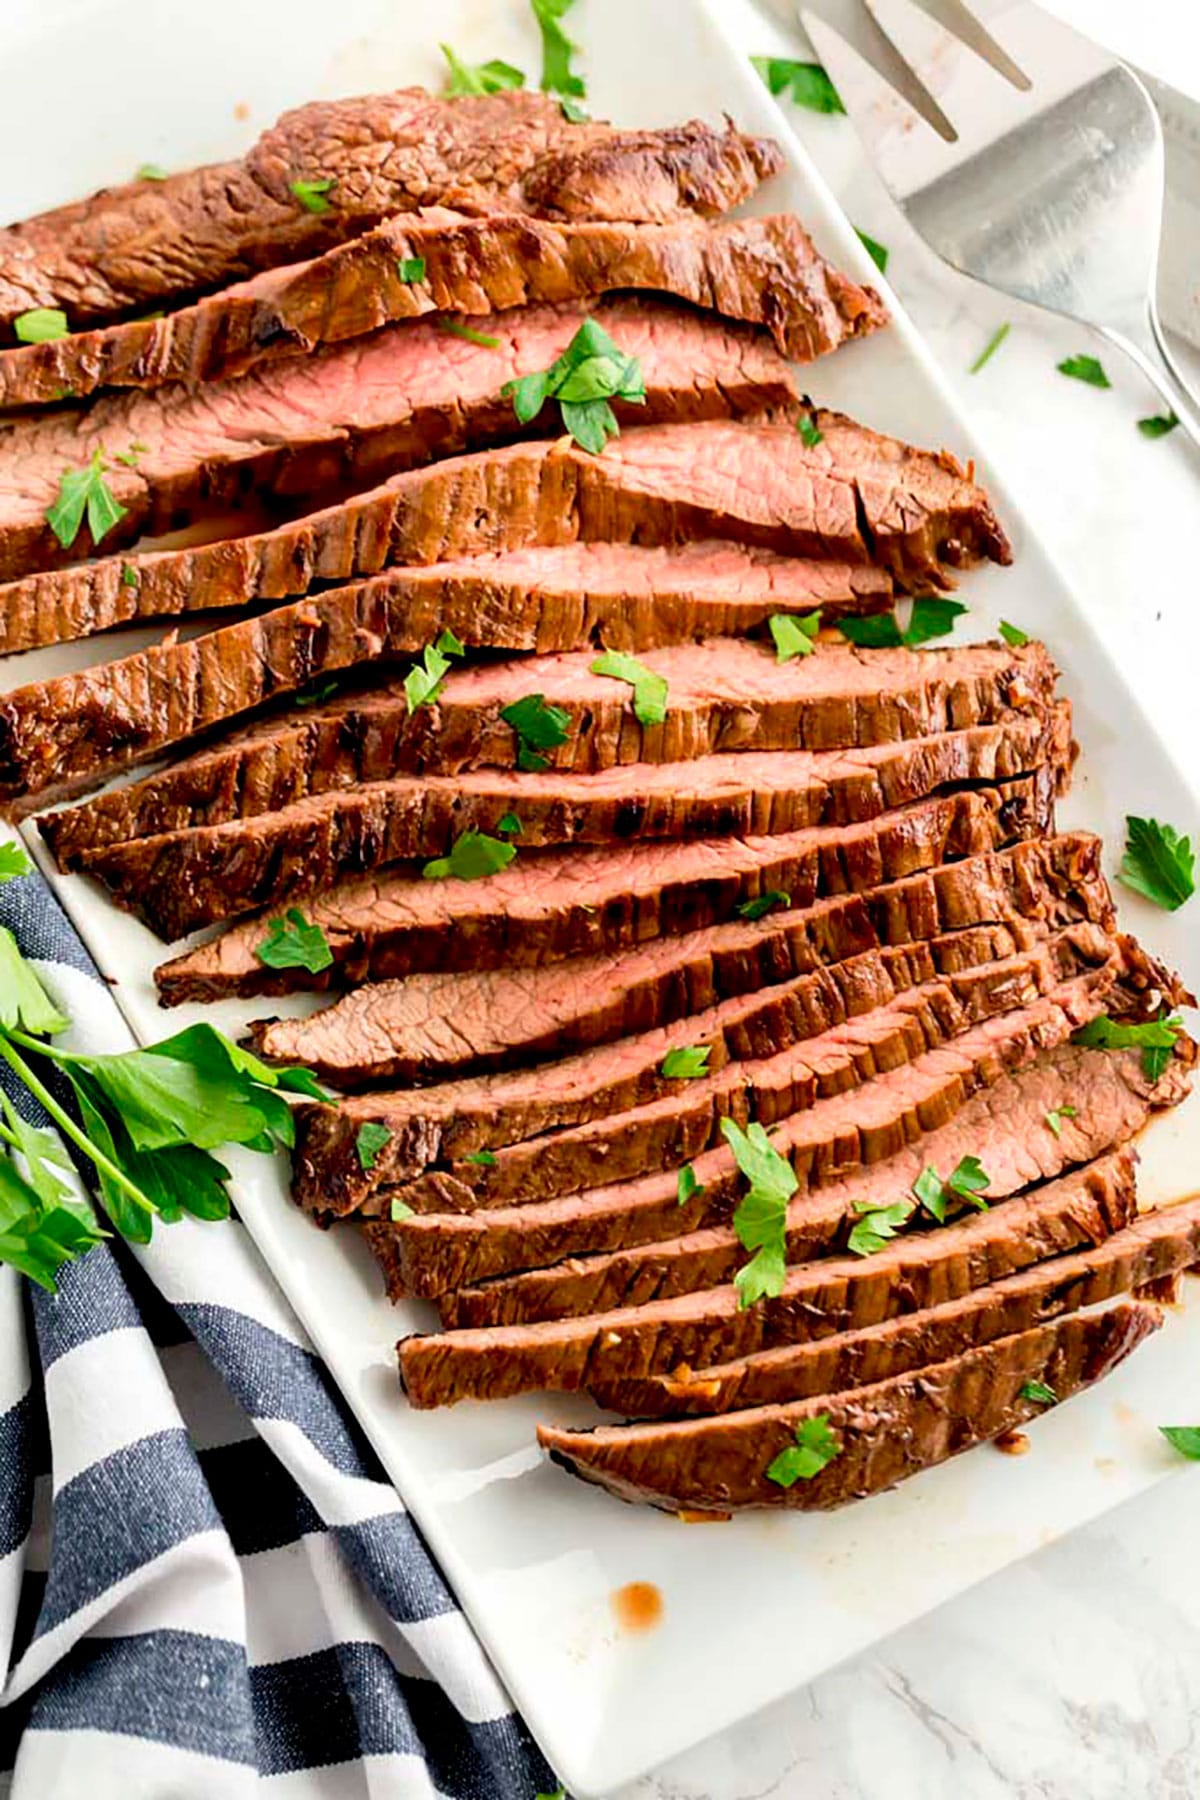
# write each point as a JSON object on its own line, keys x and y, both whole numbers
{"x": 1075, "y": 1675}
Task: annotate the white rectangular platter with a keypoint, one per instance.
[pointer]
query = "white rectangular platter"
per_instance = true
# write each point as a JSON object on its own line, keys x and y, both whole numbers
{"x": 760, "y": 1605}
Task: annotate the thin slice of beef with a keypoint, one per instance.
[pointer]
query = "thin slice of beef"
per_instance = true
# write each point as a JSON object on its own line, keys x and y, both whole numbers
{"x": 1153, "y": 1250}
{"x": 356, "y": 412}
{"x": 439, "y": 1253}
{"x": 831, "y": 1295}
{"x": 147, "y": 242}
{"x": 761, "y": 271}
{"x": 884, "y": 1433}
{"x": 725, "y": 694}
{"x": 179, "y": 881}
{"x": 766, "y": 1054}
{"x": 434, "y": 1026}
{"x": 550, "y": 904}
{"x": 69, "y": 732}
{"x": 652, "y": 487}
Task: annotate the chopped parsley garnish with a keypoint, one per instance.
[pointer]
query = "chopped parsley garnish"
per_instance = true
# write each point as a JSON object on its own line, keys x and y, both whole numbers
{"x": 990, "y": 348}
{"x": 1084, "y": 368}
{"x": 483, "y": 1159}
{"x": 368, "y": 1142}
{"x": 968, "y": 1182}
{"x": 14, "y": 862}
{"x": 510, "y": 826}
{"x": 295, "y": 943}
{"x": 42, "y": 325}
{"x": 479, "y": 78}
{"x": 423, "y": 683}
{"x": 456, "y": 328}
{"x": 761, "y": 1217}
{"x": 815, "y": 1447}
{"x": 129, "y": 576}
{"x": 687, "y": 1063}
{"x": 411, "y": 268}
{"x": 805, "y": 82}
{"x": 590, "y": 373}
{"x": 312, "y": 194}
{"x": 538, "y": 727}
{"x": 1158, "y": 863}
{"x": 810, "y": 433}
{"x": 473, "y": 856}
{"x": 931, "y": 617}
{"x": 688, "y": 1187}
{"x": 152, "y": 172}
{"x": 83, "y": 491}
{"x": 1157, "y": 425}
{"x": 877, "y": 252}
{"x": 764, "y": 903}
{"x": 1040, "y": 1393}
{"x": 1014, "y": 637}
{"x": 649, "y": 689}
{"x": 794, "y": 634}
{"x": 130, "y": 457}
{"x": 558, "y": 77}
{"x": 1056, "y": 1115}
{"x": 1184, "y": 1438}
{"x": 1155, "y": 1038}
{"x": 878, "y": 1224}
{"x": 401, "y": 1210}
{"x": 317, "y": 694}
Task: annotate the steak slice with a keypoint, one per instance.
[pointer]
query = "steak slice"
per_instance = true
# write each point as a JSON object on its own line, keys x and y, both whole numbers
{"x": 146, "y": 242}
{"x": 651, "y": 487}
{"x": 761, "y": 271}
{"x": 356, "y": 412}
{"x": 551, "y": 904}
{"x": 440, "y": 1253}
{"x": 725, "y": 695}
{"x": 1152, "y": 1250}
{"x": 426, "y": 1027}
{"x": 885, "y": 1432}
{"x": 768, "y": 1054}
{"x": 832, "y": 1295}
{"x": 61, "y": 734}
{"x": 181, "y": 880}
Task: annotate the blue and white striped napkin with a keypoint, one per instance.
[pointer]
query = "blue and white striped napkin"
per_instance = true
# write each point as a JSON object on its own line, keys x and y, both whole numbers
{"x": 206, "y": 1579}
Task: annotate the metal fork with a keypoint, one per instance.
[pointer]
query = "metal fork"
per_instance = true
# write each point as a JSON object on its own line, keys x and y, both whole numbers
{"x": 1051, "y": 191}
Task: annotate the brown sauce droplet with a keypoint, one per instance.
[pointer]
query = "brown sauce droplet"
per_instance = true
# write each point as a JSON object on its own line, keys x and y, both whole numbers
{"x": 638, "y": 1606}
{"x": 1013, "y": 1443}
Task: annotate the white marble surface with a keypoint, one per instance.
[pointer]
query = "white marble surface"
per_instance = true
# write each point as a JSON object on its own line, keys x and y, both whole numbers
{"x": 1076, "y": 1675}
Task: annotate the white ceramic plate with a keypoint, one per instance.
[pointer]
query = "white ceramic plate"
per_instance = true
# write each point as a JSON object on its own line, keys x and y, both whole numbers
{"x": 758, "y": 1606}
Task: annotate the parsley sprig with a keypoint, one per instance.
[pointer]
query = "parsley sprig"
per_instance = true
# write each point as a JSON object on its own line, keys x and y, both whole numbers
{"x": 1155, "y": 1038}
{"x": 295, "y": 942}
{"x": 1158, "y": 863}
{"x": 424, "y": 681}
{"x": 649, "y": 688}
{"x": 479, "y": 78}
{"x": 794, "y": 634}
{"x": 815, "y": 1447}
{"x": 761, "y": 1217}
{"x": 804, "y": 82}
{"x": 558, "y": 77}
{"x": 41, "y": 325}
{"x": 590, "y": 373}
{"x": 147, "y": 1121}
{"x": 473, "y": 855}
{"x": 931, "y": 617}
{"x": 84, "y": 491}
{"x": 538, "y": 727}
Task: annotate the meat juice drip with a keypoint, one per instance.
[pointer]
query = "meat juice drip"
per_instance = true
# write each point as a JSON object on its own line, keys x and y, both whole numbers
{"x": 638, "y": 1606}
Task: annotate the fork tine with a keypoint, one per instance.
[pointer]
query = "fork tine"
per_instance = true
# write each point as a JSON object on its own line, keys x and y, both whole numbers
{"x": 969, "y": 25}
{"x": 856, "y": 26}
{"x": 905, "y": 156}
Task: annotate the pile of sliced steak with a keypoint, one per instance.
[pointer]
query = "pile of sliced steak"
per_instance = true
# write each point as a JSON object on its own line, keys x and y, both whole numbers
{"x": 719, "y": 1023}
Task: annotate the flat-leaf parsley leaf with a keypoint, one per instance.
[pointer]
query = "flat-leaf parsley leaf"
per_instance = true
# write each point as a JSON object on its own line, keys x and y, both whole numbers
{"x": 815, "y": 1447}
{"x": 794, "y": 634}
{"x": 1158, "y": 863}
{"x": 649, "y": 688}
{"x": 295, "y": 943}
{"x": 83, "y": 491}
{"x": 806, "y": 82}
{"x": 473, "y": 855}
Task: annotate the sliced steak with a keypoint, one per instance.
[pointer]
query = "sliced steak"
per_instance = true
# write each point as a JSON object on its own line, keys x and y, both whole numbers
{"x": 724, "y": 695}
{"x": 845, "y": 1134}
{"x": 59, "y": 735}
{"x": 769, "y": 1055}
{"x": 146, "y": 242}
{"x": 551, "y": 904}
{"x": 181, "y": 880}
{"x": 358, "y": 411}
{"x": 1153, "y": 1250}
{"x": 832, "y": 1295}
{"x": 761, "y": 271}
{"x": 651, "y": 487}
{"x": 430, "y": 1027}
{"x": 884, "y": 1433}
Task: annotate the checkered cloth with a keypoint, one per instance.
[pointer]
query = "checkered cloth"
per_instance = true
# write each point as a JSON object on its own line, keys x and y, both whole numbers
{"x": 206, "y": 1579}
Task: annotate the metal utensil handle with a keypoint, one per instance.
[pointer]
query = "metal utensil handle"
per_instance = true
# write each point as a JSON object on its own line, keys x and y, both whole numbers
{"x": 1140, "y": 342}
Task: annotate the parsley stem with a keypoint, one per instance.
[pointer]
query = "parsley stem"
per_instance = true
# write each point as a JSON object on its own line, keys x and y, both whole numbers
{"x": 62, "y": 1118}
